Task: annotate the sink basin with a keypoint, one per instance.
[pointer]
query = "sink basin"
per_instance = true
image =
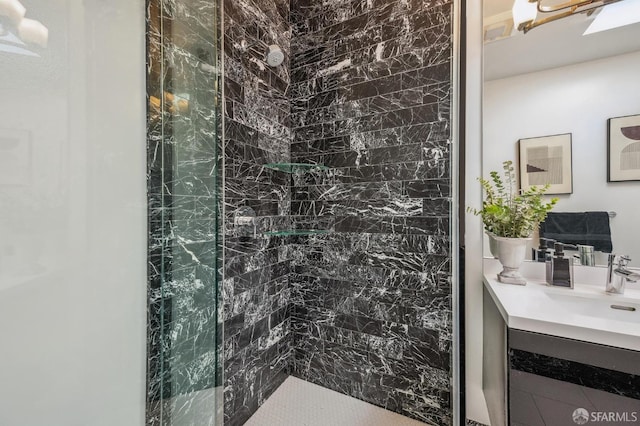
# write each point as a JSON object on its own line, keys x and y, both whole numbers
{"x": 606, "y": 307}
{"x": 582, "y": 313}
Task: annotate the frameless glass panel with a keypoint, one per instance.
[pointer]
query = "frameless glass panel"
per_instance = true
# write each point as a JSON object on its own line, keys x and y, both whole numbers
{"x": 72, "y": 212}
{"x": 184, "y": 97}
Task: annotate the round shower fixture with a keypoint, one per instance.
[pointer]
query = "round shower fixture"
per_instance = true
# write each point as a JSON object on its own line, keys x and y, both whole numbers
{"x": 275, "y": 56}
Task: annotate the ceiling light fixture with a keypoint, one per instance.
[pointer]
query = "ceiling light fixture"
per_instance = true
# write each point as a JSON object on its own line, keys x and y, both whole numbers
{"x": 529, "y": 14}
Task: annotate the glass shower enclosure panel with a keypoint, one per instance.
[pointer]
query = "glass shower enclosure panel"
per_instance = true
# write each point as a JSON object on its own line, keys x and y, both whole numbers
{"x": 184, "y": 370}
{"x": 73, "y": 210}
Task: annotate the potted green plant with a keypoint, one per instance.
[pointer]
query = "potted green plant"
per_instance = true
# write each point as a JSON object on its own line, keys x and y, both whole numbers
{"x": 510, "y": 216}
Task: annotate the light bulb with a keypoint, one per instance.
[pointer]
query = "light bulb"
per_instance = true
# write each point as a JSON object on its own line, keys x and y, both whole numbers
{"x": 523, "y": 12}
{"x": 32, "y": 31}
{"x": 12, "y": 9}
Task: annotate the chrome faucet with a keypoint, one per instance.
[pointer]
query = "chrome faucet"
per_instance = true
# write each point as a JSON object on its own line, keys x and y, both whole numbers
{"x": 618, "y": 274}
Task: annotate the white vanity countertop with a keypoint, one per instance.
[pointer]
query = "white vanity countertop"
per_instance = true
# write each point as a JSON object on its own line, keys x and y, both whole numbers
{"x": 583, "y": 313}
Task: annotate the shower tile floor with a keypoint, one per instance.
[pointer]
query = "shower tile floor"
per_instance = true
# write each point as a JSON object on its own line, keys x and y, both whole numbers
{"x": 300, "y": 403}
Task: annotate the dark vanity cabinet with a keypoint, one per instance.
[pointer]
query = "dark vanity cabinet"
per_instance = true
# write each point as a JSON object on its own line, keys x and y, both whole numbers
{"x": 536, "y": 379}
{"x": 551, "y": 380}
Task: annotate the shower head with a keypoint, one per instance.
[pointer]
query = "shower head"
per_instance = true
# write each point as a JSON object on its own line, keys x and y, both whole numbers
{"x": 275, "y": 56}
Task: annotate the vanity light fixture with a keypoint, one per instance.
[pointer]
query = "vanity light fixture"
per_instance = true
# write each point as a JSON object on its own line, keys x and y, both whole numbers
{"x": 17, "y": 33}
{"x": 529, "y": 14}
{"x": 13, "y": 10}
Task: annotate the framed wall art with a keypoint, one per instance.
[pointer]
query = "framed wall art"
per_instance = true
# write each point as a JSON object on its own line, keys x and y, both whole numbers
{"x": 623, "y": 149}
{"x": 547, "y": 160}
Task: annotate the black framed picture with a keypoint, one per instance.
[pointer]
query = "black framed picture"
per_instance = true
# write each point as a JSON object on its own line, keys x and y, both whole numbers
{"x": 623, "y": 149}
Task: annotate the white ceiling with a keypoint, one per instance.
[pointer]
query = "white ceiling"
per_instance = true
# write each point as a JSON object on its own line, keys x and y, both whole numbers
{"x": 495, "y": 7}
{"x": 552, "y": 45}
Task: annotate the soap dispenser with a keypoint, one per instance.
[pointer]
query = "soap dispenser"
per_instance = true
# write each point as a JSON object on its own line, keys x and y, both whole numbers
{"x": 548, "y": 258}
{"x": 540, "y": 254}
{"x": 560, "y": 267}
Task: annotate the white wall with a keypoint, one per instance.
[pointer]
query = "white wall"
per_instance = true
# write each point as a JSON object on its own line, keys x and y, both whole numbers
{"x": 577, "y": 99}
{"x": 476, "y": 407}
{"x": 73, "y": 219}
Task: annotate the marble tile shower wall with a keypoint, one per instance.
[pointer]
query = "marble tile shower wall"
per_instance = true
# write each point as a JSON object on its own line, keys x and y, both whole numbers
{"x": 183, "y": 253}
{"x": 258, "y": 344}
{"x": 364, "y": 309}
{"x": 371, "y": 98}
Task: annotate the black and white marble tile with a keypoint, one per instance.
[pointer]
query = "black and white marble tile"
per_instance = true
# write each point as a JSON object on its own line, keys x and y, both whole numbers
{"x": 593, "y": 377}
{"x": 364, "y": 309}
{"x": 258, "y": 341}
{"x": 184, "y": 243}
{"x": 474, "y": 423}
{"x": 371, "y": 94}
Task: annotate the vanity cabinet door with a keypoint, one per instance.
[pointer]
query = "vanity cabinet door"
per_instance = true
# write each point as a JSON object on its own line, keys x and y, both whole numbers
{"x": 556, "y": 381}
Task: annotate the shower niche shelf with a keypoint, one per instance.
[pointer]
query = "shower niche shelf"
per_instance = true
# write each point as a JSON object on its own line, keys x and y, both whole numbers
{"x": 295, "y": 167}
{"x": 295, "y": 232}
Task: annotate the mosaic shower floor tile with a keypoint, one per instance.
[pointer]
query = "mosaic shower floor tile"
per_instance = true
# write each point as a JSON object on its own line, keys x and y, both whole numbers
{"x": 300, "y": 403}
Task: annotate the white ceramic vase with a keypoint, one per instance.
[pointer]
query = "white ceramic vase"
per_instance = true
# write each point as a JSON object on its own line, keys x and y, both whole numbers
{"x": 493, "y": 244}
{"x": 511, "y": 252}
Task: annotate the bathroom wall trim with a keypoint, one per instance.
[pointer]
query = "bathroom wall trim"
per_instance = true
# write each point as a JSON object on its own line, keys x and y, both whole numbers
{"x": 460, "y": 38}
{"x": 456, "y": 123}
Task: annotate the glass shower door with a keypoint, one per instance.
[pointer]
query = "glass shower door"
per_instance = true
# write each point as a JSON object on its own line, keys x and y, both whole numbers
{"x": 184, "y": 372}
{"x": 72, "y": 213}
